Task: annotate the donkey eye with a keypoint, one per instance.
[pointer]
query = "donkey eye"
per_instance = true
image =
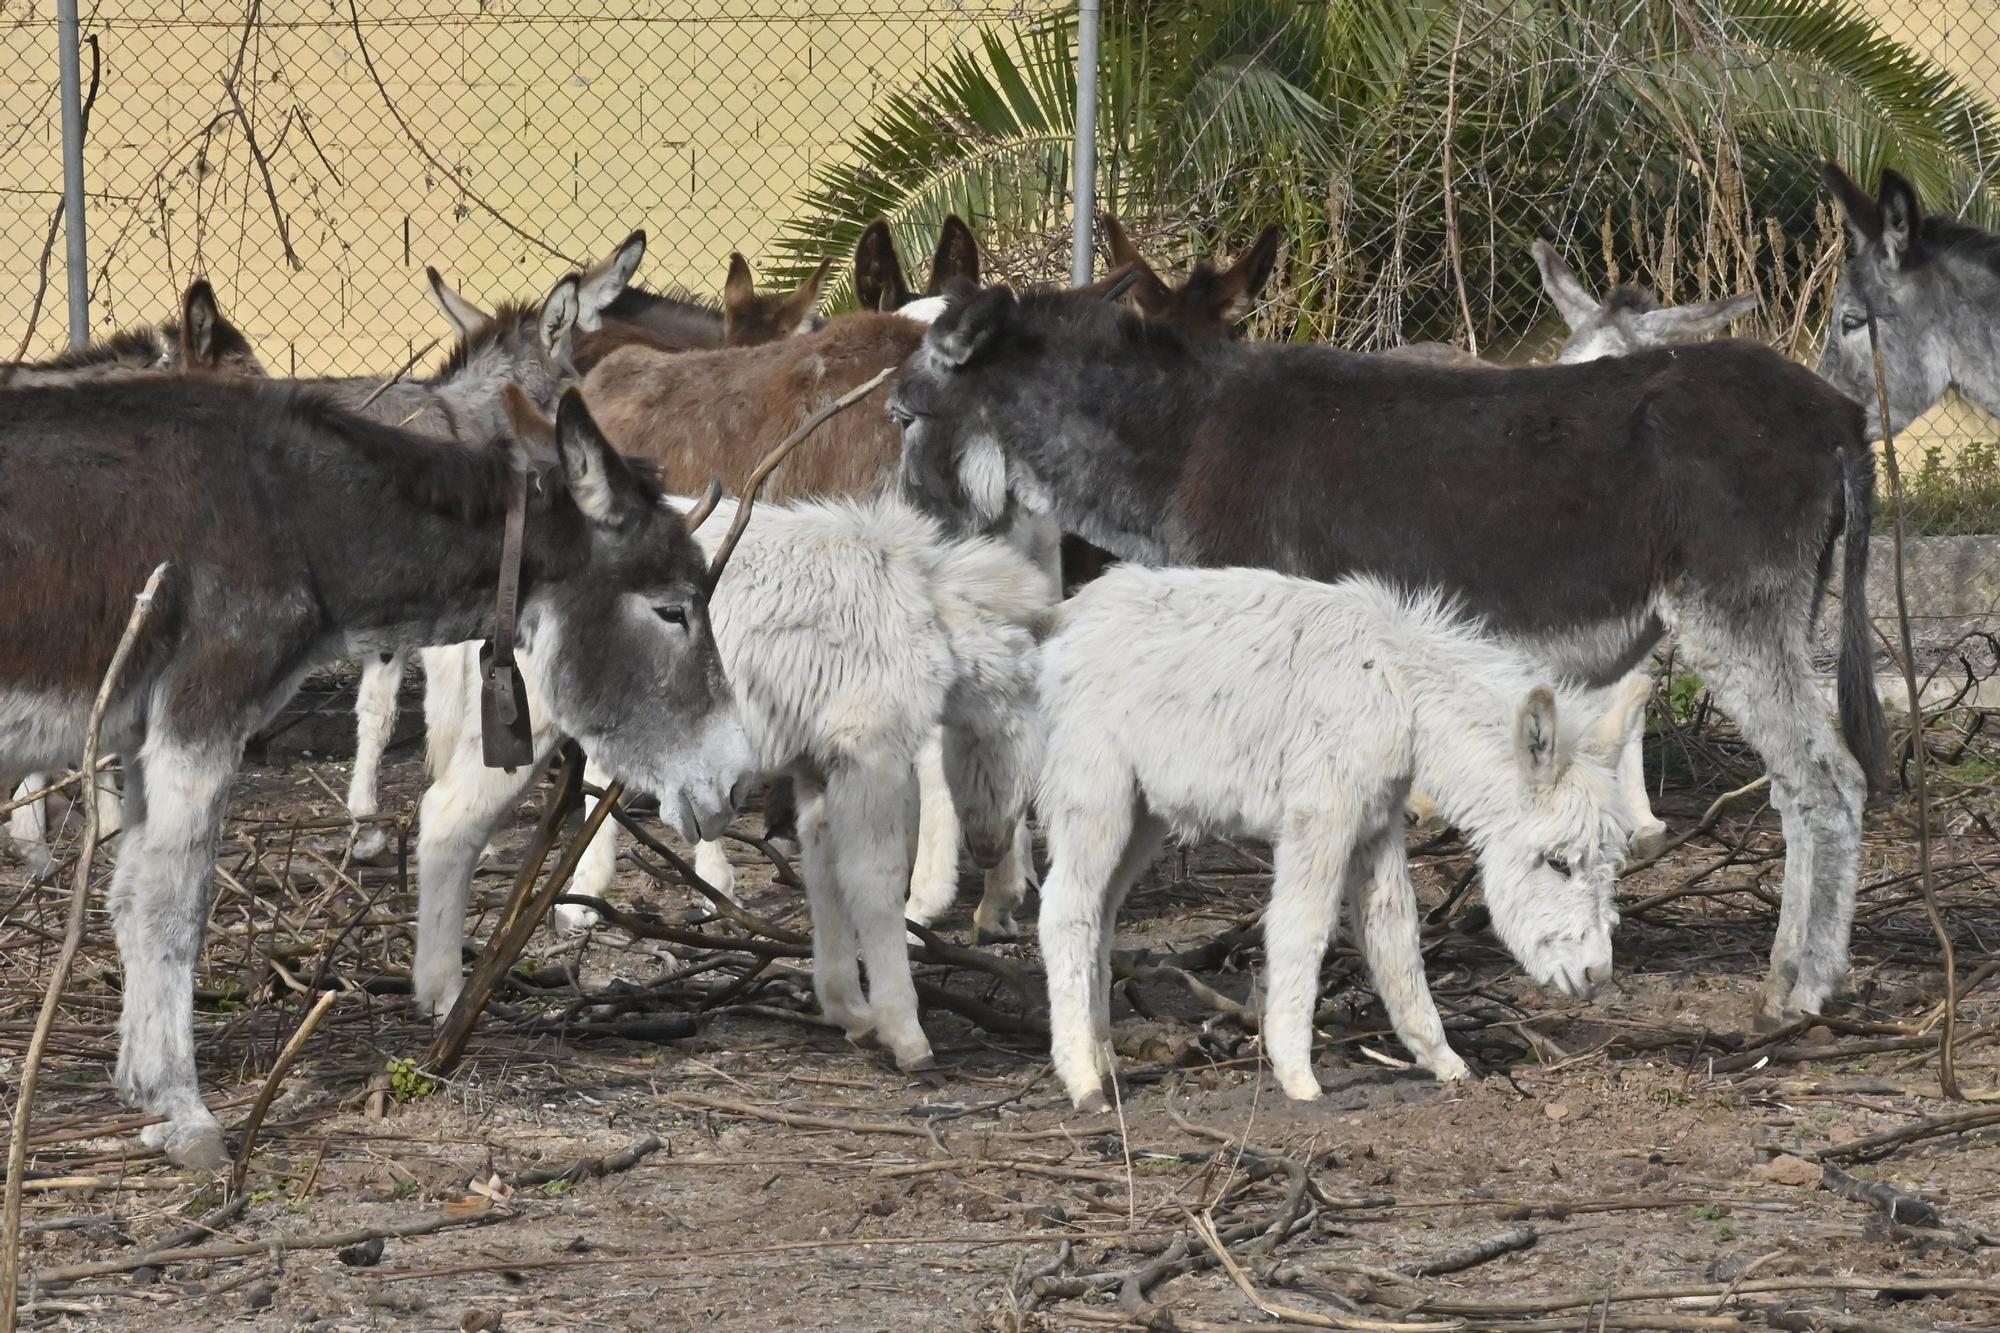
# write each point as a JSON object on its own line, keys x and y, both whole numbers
{"x": 1853, "y": 322}
{"x": 1559, "y": 864}
{"x": 673, "y": 615}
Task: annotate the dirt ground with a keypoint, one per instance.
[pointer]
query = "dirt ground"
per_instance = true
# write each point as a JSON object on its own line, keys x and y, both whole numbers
{"x": 777, "y": 1177}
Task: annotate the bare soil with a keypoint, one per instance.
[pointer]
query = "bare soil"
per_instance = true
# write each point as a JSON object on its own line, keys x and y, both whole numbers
{"x": 800, "y": 1182}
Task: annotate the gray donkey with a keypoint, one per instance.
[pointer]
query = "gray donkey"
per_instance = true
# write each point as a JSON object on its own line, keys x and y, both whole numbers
{"x": 296, "y": 534}
{"x": 1933, "y": 284}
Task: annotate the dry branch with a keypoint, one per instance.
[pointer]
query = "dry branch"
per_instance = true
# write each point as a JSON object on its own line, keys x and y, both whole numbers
{"x": 79, "y": 898}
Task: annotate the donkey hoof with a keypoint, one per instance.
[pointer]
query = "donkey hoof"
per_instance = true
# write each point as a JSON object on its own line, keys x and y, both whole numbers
{"x": 918, "y": 1062}
{"x": 197, "y": 1147}
{"x": 371, "y": 844}
{"x": 572, "y": 920}
{"x": 1002, "y": 929}
{"x": 1093, "y": 1102}
{"x": 1648, "y": 842}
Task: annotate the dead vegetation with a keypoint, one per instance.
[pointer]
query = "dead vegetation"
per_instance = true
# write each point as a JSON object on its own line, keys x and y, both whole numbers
{"x": 650, "y": 1127}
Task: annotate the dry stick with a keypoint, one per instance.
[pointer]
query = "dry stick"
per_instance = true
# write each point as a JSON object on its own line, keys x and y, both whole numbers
{"x": 522, "y": 914}
{"x": 1450, "y": 210}
{"x": 1876, "y": 1145}
{"x": 7, "y": 807}
{"x": 1457, "y": 1261}
{"x": 244, "y": 1249}
{"x": 1947, "y": 1039}
{"x": 1901, "y": 1286}
{"x": 396, "y": 378}
{"x": 300, "y": 1035}
{"x": 79, "y": 897}
{"x": 778, "y": 455}
{"x": 589, "y": 1167}
{"x": 1204, "y": 1227}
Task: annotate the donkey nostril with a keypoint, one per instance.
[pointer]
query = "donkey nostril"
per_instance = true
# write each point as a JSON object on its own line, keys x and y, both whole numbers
{"x": 1596, "y": 978}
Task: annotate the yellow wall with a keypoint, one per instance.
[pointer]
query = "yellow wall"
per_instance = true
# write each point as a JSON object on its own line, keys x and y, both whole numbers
{"x": 537, "y": 135}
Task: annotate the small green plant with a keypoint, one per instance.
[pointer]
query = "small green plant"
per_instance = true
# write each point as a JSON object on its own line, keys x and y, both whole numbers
{"x": 1684, "y": 696}
{"x": 407, "y": 1082}
{"x": 1725, "y": 1230}
{"x": 1707, "y": 1212}
{"x": 1945, "y": 496}
{"x": 555, "y": 1189}
{"x": 403, "y": 1189}
{"x": 1674, "y": 1097}
{"x": 1968, "y": 771}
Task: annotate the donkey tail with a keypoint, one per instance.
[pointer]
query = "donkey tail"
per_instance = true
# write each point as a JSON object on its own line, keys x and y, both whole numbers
{"x": 1861, "y": 720}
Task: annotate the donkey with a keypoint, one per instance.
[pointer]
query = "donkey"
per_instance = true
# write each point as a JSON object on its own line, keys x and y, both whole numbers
{"x": 200, "y": 342}
{"x": 1629, "y": 319}
{"x": 879, "y": 283}
{"x": 851, "y": 631}
{"x": 1210, "y": 301}
{"x": 1931, "y": 284}
{"x": 1580, "y": 510}
{"x": 1238, "y": 701}
{"x": 295, "y": 535}
{"x": 745, "y": 318}
{"x": 524, "y": 345}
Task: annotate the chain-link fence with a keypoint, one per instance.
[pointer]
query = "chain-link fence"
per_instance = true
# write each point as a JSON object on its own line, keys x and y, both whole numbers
{"x": 312, "y": 159}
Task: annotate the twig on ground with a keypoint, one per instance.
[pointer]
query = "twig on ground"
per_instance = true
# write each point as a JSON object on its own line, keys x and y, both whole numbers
{"x": 79, "y": 898}
{"x": 1471, "y": 1256}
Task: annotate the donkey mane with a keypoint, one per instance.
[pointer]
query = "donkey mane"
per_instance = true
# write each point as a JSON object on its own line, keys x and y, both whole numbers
{"x": 125, "y": 345}
{"x": 506, "y": 318}
{"x": 1630, "y": 298}
{"x": 1940, "y": 236}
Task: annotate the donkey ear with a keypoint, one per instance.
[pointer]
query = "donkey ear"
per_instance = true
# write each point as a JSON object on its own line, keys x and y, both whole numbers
{"x": 533, "y": 431}
{"x": 1117, "y": 244}
{"x": 739, "y": 290}
{"x": 878, "y": 273}
{"x": 200, "y": 322}
{"x": 956, "y": 256}
{"x": 557, "y": 325}
{"x": 1572, "y": 299}
{"x": 1684, "y": 323}
{"x": 606, "y": 280}
{"x": 1245, "y": 279}
{"x": 969, "y": 328}
{"x": 1864, "y": 216}
{"x": 465, "y": 318}
{"x": 598, "y": 479}
{"x": 1535, "y": 739}
{"x": 800, "y": 312}
{"x": 1901, "y": 218}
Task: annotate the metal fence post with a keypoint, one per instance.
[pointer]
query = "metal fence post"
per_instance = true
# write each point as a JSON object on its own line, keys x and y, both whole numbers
{"x": 71, "y": 65}
{"x": 1085, "y": 151}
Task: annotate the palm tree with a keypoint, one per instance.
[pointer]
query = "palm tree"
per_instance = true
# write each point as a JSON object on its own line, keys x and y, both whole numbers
{"x": 1414, "y": 148}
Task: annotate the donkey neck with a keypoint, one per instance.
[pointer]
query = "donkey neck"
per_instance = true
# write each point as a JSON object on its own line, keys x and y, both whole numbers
{"x": 1462, "y": 692}
{"x": 1106, "y": 444}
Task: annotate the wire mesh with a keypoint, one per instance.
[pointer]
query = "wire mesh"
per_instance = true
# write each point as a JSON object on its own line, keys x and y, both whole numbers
{"x": 311, "y": 159}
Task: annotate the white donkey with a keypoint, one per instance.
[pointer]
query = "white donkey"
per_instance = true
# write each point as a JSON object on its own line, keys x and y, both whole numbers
{"x": 1240, "y": 701}
{"x": 850, "y": 631}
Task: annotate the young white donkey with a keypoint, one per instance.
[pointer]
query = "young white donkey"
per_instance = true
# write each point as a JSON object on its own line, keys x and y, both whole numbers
{"x": 1243, "y": 701}
{"x": 850, "y": 632}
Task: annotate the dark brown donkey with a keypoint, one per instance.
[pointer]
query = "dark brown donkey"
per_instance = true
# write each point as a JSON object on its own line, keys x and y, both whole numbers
{"x": 200, "y": 341}
{"x": 294, "y": 535}
{"x": 682, "y": 322}
{"x": 1579, "y": 510}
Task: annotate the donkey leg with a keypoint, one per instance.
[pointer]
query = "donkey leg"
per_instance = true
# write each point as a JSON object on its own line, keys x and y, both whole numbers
{"x": 463, "y": 808}
{"x": 374, "y": 724}
{"x": 836, "y": 965}
{"x": 1392, "y": 944}
{"x": 1760, "y": 674}
{"x": 28, "y": 825}
{"x": 1312, "y": 863}
{"x": 1649, "y": 834}
{"x": 871, "y": 810}
{"x": 1006, "y": 889}
{"x": 110, "y": 804}
{"x": 1096, "y": 855}
{"x": 159, "y": 911}
{"x": 712, "y": 863}
{"x": 934, "y": 878}
{"x": 599, "y": 864}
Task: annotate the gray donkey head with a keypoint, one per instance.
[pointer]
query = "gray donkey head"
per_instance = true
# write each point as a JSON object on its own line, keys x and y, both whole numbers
{"x": 1630, "y": 318}
{"x": 1932, "y": 285}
